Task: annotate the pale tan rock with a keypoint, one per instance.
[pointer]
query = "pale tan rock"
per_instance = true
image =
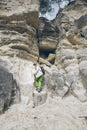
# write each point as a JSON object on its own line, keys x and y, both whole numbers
{"x": 65, "y": 43}
{"x": 51, "y": 57}
{"x": 82, "y": 54}
{"x": 48, "y": 44}
{"x": 74, "y": 39}
{"x": 79, "y": 91}
{"x": 19, "y": 21}
{"x": 39, "y": 98}
{"x": 67, "y": 62}
{"x": 67, "y": 54}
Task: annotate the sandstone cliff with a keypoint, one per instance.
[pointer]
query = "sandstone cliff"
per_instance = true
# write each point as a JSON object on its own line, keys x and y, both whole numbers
{"x": 18, "y": 24}
{"x": 61, "y": 45}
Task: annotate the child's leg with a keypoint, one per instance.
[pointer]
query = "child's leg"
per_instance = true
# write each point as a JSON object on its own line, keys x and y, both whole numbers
{"x": 36, "y": 82}
{"x": 40, "y": 81}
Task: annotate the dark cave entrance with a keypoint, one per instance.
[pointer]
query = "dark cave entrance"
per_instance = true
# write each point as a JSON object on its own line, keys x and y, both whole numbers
{"x": 45, "y": 54}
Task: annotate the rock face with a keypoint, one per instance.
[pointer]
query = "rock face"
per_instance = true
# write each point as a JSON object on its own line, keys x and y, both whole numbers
{"x": 18, "y": 24}
{"x": 39, "y": 98}
{"x": 9, "y": 91}
{"x": 47, "y": 34}
{"x": 66, "y": 36}
{"x": 71, "y": 50}
{"x": 62, "y": 42}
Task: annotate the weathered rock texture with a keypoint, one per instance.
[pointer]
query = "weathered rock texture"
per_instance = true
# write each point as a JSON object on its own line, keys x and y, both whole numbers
{"x": 48, "y": 35}
{"x": 62, "y": 42}
{"x": 9, "y": 91}
{"x": 18, "y": 24}
{"x": 39, "y": 98}
{"x": 71, "y": 50}
{"x": 65, "y": 39}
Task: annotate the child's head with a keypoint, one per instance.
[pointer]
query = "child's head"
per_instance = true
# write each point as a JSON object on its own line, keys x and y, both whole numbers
{"x": 35, "y": 63}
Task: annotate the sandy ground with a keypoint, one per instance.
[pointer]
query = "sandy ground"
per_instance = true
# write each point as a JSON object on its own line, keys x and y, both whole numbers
{"x": 55, "y": 114}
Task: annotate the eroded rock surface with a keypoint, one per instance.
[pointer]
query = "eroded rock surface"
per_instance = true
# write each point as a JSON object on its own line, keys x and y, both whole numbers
{"x": 9, "y": 90}
{"x": 18, "y": 24}
{"x": 61, "y": 42}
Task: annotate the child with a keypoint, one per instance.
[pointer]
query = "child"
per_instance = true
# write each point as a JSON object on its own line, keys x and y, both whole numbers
{"x": 39, "y": 76}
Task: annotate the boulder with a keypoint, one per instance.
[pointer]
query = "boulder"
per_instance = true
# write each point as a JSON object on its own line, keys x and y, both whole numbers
{"x": 9, "y": 91}
{"x": 39, "y": 97}
{"x": 57, "y": 84}
{"x": 51, "y": 58}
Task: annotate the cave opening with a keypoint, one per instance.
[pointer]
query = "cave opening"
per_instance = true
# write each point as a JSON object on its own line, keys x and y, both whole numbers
{"x": 45, "y": 54}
